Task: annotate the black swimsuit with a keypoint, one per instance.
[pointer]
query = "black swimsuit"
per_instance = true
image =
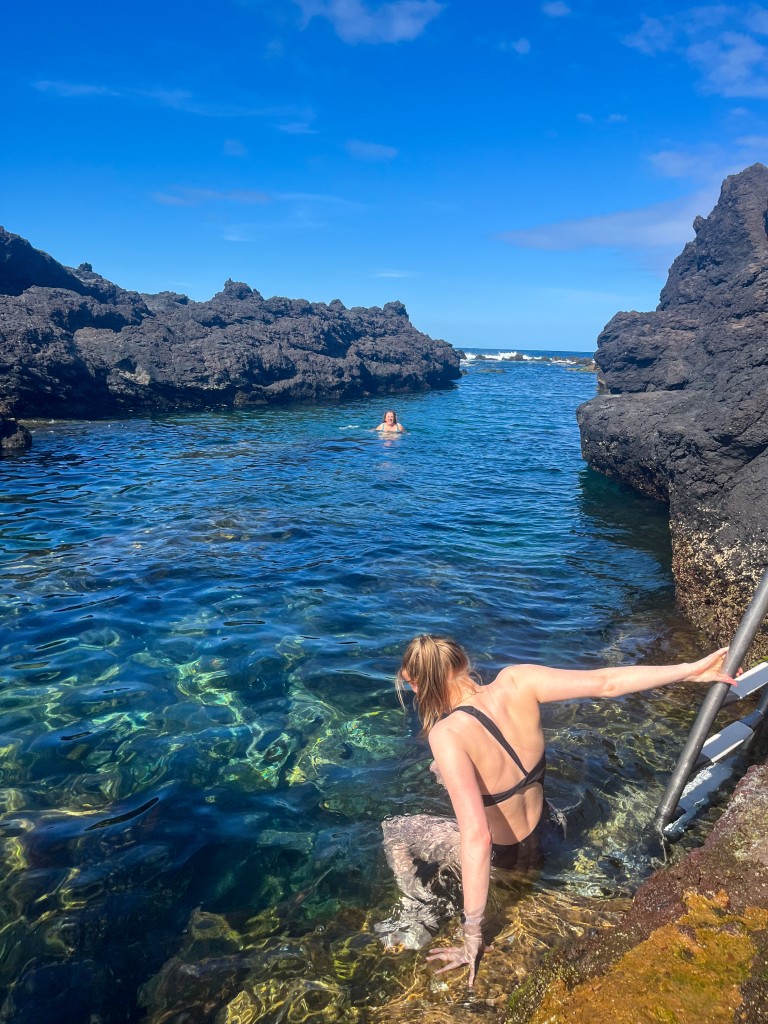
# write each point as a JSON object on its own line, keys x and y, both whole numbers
{"x": 527, "y": 852}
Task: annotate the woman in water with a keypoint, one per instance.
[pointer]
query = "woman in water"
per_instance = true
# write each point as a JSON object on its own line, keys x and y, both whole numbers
{"x": 389, "y": 424}
{"x": 488, "y": 746}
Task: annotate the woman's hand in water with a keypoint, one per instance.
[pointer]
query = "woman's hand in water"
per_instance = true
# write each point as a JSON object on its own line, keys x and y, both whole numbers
{"x": 710, "y": 669}
{"x": 467, "y": 954}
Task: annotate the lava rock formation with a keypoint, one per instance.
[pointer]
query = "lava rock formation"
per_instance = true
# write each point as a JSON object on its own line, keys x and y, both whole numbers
{"x": 683, "y": 410}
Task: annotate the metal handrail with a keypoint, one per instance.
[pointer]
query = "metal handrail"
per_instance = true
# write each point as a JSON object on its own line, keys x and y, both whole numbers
{"x": 747, "y": 629}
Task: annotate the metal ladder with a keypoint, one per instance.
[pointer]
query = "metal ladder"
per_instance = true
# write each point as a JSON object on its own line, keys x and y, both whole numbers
{"x": 702, "y": 766}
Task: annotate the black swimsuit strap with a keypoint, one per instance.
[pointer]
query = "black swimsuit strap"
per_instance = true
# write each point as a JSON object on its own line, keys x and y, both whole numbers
{"x": 496, "y": 732}
{"x": 534, "y": 775}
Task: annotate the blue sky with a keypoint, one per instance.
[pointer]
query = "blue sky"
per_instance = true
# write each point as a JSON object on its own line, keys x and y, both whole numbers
{"x": 514, "y": 172}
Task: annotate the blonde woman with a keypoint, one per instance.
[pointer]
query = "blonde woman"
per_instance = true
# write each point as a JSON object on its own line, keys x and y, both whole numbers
{"x": 488, "y": 746}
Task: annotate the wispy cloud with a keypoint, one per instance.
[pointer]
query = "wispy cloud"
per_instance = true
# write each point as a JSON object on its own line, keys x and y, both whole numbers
{"x": 754, "y": 142}
{"x": 556, "y": 10}
{"x": 358, "y": 22}
{"x": 175, "y": 99}
{"x": 654, "y": 234}
{"x": 74, "y": 89}
{"x": 676, "y": 163}
{"x": 182, "y": 195}
{"x": 199, "y": 196}
{"x": 732, "y": 65}
{"x": 521, "y": 46}
{"x": 371, "y": 151}
{"x": 586, "y": 118}
{"x": 396, "y": 273}
{"x": 233, "y": 147}
{"x": 705, "y": 166}
{"x": 297, "y": 128}
{"x": 718, "y": 40}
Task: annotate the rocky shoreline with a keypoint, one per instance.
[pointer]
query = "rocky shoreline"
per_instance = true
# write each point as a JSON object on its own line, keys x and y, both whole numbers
{"x": 74, "y": 345}
{"x": 693, "y": 948}
{"x": 682, "y": 415}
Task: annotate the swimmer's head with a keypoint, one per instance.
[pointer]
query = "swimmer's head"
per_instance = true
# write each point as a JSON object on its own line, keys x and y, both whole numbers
{"x": 390, "y": 417}
{"x": 429, "y": 663}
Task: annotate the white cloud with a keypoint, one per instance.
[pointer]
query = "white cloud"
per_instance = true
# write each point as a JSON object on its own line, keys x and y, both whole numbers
{"x": 706, "y": 166}
{"x": 297, "y": 128}
{"x": 616, "y": 118}
{"x": 718, "y": 40}
{"x": 370, "y": 151}
{"x": 175, "y": 99}
{"x": 198, "y": 196}
{"x": 754, "y": 142}
{"x": 653, "y": 37}
{"x": 757, "y": 20}
{"x": 557, "y": 9}
{"x": 521, "y": 46}
{"x": 356, "y": 22}
{"x": 732, "y": 65}
{"x": 665, "y": 226}
{"x": 586, "y": 118}
{"x": 672, "y": 163}
{"x": 70, "y": 89}
{"x": 233, "y": 147}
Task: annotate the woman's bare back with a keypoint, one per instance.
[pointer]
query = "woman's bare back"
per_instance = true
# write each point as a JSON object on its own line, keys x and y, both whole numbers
{"x": 511, "y": 706}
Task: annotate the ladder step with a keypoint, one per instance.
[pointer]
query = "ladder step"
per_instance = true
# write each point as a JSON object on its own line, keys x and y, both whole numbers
{"x": 697, "y": 794}
{"x": 722, "y": 743}
{"x": 750, "y": 682}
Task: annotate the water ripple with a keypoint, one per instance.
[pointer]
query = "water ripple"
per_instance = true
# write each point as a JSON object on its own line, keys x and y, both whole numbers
{"x": 201, "y": 616}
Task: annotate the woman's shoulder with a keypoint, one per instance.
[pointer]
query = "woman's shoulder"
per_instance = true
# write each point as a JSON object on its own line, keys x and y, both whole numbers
{"x": 515, "y": 677}
{"x": 443, "y": 729}
{"x": 506, "y": 676}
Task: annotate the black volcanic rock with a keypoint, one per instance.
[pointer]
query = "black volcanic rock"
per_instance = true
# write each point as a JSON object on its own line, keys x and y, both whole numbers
{"x": 73, "y": 344}
{"x": 683, "y": 415}
{"x": 13, "y": 436}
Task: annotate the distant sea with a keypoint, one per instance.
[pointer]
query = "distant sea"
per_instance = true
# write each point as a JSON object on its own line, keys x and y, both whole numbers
{"x": 201, "y": 616}
{"x": 526, "y": 355}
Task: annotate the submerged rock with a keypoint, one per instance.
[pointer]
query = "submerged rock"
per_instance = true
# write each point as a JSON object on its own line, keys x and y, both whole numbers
{"x": 73, "y": 344}
{"x": 13, "y": 436}
{"x": 683, "y": 416}
{"x": 692, "y": 948}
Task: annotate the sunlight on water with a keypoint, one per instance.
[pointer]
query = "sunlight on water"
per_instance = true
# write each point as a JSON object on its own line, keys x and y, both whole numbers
{"x": 201, "y": 618}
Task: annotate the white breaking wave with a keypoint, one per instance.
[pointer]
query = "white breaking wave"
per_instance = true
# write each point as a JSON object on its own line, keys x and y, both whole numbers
{"x": 499, "y": 356}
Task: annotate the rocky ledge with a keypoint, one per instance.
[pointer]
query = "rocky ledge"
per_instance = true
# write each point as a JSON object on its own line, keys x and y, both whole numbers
{"x": 692, "y": 948}
{"x": 72, "y": 344}
{"x": 682, "y": 415}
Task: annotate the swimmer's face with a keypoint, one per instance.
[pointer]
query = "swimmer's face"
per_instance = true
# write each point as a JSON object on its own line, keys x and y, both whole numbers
{"x": 389, "y": 418}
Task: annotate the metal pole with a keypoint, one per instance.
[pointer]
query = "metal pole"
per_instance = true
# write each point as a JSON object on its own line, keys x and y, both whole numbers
{"x": 742, "y": 641}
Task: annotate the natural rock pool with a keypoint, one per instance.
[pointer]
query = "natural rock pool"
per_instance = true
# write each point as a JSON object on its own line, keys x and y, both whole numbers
{"x": 201, "y": 616}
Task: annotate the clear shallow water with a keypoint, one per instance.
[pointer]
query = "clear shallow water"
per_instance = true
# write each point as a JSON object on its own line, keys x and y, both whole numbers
{"x": 201, "y": 617}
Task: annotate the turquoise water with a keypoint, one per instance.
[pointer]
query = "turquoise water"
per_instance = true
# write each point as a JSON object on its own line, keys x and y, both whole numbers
{"x": 201, "y": 616}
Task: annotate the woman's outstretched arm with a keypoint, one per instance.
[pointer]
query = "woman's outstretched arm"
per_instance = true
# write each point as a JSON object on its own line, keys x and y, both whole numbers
{"x": 550, "y": 684}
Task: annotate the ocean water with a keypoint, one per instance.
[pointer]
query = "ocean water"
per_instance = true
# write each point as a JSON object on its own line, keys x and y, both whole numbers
{"x": 200, "y": 618}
